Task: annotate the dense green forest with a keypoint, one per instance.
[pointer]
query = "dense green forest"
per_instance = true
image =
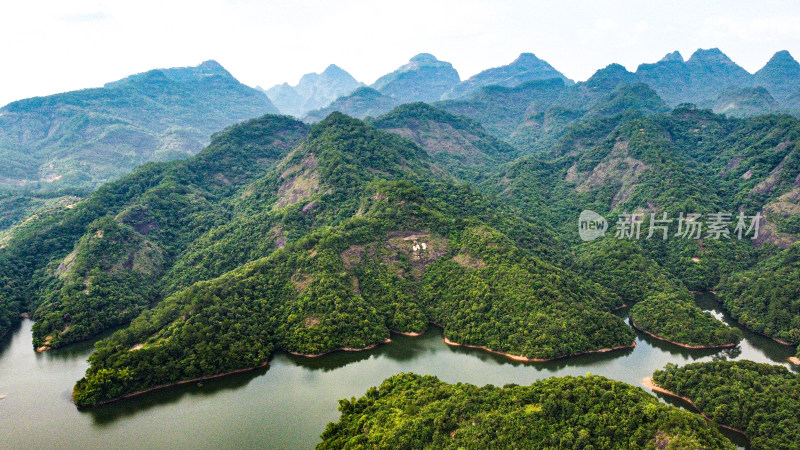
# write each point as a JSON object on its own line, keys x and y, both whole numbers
{"x": 62, "y": 262}
{"x": 761, "y": 400}
{"x": 413, "y": 411}
{"x": 766, "y": 299}
{"x": 663, "y": 307}
{"x": 281, "y": 235}
{"x": 390, "y": 257}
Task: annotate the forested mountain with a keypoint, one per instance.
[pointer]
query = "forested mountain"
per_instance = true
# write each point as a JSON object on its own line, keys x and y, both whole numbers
{"x": 331, "y": 233}
{"x": 79, "y": 272}
{"x": 84, "y": 138}
{"x": 760, "y": 400}
{"x": 412, "y": 411}
{"x": 423, "y": 79}
{"x": 456, "y": 143}
{"x": 363, "y": 102}
{"x": 527, "y": 67}
{"x": 709, "y": 78}
{"x": 530, "y": 104}
{"x": 345, "y": 191}
{"x": 767, "y": 298}
{"x": 781, "y": 77}
{"x": 314, "y": 91}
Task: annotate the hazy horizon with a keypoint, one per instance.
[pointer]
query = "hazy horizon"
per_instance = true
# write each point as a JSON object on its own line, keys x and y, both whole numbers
{"x": 57, "y": 47}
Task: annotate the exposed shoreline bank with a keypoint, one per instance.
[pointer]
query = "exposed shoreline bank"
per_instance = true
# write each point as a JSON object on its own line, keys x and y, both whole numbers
{"x": 537, "y": 360}
{"x": 691, "y": 347}
{"x": 340, "y": 349}
{"x": 178, "y": 383}
{"x": 350, "y": 349}
{"x": 650, "y": 384}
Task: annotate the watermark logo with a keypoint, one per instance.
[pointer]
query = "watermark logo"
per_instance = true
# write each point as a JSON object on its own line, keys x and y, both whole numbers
{"x": 591, "y": 225}
{"x": 715, "y": 226}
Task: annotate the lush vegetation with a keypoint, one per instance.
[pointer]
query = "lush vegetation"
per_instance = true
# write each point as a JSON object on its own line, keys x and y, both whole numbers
{"x": 675, "y": 318}
{"x": 311, "y": 239}
{"x": 455, "y": 143}
{"x": 86, "y": 267}
{"x": 761, "y": 400}
{"x": 84, "y": 138}
{"x": 767, "y": 298}
{"x": 413, "y": 411}
{"x": 349, "y": 204}
{"x": 662, "y": 307}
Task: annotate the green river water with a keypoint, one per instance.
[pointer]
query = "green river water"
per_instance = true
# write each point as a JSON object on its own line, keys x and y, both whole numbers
{"x": 288, "y": 404}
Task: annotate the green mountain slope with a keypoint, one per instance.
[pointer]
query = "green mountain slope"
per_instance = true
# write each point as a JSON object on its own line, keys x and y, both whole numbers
{"x": 745, "y": 102}
{"x": 361, "y": 103}
{"x": 455, "y": 143}
{"x": 766, "y": 299}
{"x": 84, "y": 138}
{"x": 688, "y": 160}
{"x": 330, "y": 244}
{"x": 155, "y": 213}
{"x": 761, "y": 400}
{"x": 413, "y": 411}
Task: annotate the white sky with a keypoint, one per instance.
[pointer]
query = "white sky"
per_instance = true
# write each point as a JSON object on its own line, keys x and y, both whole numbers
{"x": 54, "y": 46}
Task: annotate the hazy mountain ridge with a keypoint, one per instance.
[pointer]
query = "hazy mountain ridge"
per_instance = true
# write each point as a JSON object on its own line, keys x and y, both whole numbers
{"x": 313, "y": 91}
{"x": 709, "y": 79}
{"x": 84, "y": 138}
{"x": 423, "y": 79}
{"x": 527, "y": 67}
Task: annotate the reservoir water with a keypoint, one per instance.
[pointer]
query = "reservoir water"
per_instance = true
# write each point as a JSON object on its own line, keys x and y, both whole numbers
{"x": 288, "y": 404}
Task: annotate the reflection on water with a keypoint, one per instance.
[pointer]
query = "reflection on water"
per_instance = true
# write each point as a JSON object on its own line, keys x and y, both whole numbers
{"x": 288, "y": 404}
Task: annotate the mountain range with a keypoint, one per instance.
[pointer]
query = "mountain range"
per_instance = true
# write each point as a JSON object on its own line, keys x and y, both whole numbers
{"x": 708, "y": 79}
{"x": 331, "y": 233}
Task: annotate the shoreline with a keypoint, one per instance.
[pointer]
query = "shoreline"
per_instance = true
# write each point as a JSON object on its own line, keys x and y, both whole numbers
{"x": 409, "y": 333}
{"x": 225, "y": 374}
{"x": 340, "y": 349}
{"x": 778, "y": 340}
{"x": 794, "y": 360}
{"x": 177, "y": 383}
{"x": 650, "y": 384}
{"x": 526, "y": 359}
{"x": 349, "y": 349}
{"x": 687, "y": 346}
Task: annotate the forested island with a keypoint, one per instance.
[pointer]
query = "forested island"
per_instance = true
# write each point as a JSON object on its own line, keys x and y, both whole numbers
{"x": 413, "y": 411}
{"x": 760, "y": 400}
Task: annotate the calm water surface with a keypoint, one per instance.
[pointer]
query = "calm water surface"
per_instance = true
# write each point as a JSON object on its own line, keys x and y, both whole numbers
{"x": 288, "y": 404}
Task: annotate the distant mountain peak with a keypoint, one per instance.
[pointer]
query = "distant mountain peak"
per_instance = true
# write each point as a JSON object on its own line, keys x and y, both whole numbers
{"x": 526, "y": 59}
{"x": 783, "y": 59}
{"x": 527, "y": 67}
{"x": 211, "y": 65}
{"x": 710, "y": 56}
{"x": 672, "y": 57}
{"x": 424, "y": 58}
{"x": 781, "y": 76}
{"x": 333, "y": 69}
{"x": 424, "y": 78}
{"x": 313, "y": 91}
